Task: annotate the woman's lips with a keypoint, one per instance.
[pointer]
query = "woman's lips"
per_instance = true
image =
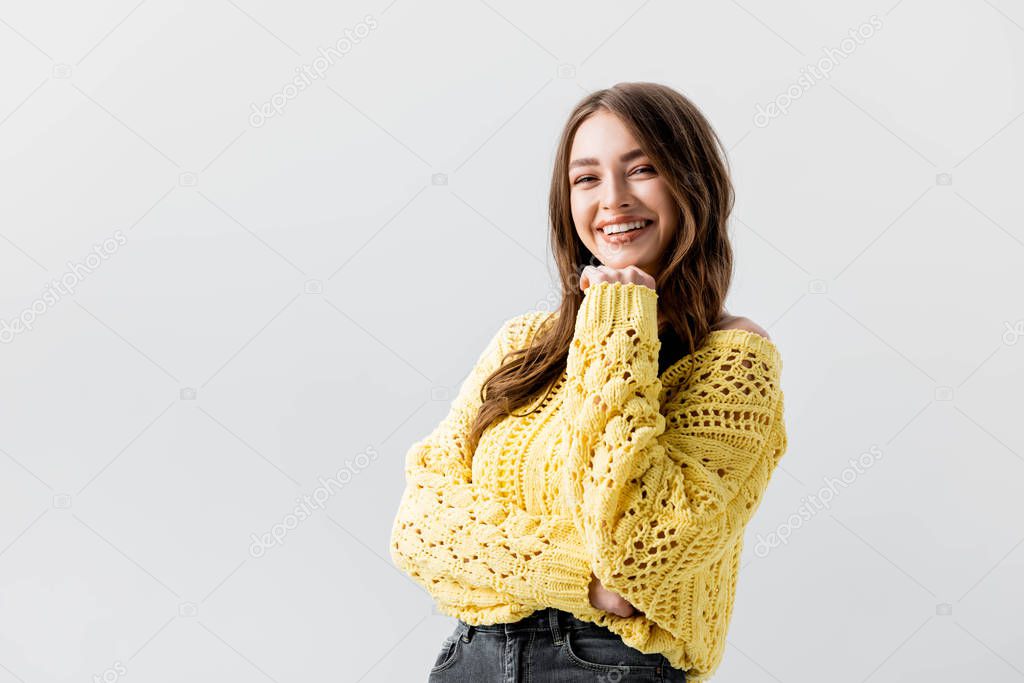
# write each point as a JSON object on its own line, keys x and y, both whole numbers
{"x": 626, "y": 237}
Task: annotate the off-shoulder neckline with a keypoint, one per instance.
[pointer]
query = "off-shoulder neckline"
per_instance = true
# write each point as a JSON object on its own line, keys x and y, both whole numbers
{"x": 734, "y": 337}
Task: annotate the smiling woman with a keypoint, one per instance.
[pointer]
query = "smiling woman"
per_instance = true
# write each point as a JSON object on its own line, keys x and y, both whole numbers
{"x": 622, "y": 208}
{"x": 580, "y": 510}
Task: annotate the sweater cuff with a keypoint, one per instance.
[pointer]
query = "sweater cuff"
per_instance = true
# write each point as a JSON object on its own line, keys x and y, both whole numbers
{"x": 607, "y": 305}
{"x": 566, "y": 578}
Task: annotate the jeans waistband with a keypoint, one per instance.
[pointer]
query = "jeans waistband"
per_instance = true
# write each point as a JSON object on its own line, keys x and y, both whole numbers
{"x": 549, "y": 619}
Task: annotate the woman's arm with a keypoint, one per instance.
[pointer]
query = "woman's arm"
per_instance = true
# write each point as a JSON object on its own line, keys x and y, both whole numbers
{"x": 450, "y": 533}
{"x": 658, "y": 496}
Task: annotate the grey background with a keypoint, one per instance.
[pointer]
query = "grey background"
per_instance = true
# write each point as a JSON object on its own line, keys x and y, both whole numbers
{"x": 293, "y": 296}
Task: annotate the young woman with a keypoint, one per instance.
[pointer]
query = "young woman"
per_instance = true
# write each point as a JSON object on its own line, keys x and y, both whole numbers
{"x": 580, "y": 511}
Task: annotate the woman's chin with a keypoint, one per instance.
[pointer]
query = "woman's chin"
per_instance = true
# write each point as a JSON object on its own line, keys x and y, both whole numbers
{"x": 620, "y": 261}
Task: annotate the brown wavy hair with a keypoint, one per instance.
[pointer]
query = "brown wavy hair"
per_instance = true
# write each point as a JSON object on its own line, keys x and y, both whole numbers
{"x": 695, "y": 270}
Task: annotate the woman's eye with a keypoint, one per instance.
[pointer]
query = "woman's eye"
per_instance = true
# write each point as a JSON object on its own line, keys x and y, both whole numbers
{"x": 639, "y": 168}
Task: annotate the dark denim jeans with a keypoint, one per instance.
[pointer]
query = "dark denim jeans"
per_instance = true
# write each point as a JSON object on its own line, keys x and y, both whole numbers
{"x": 549, "y": 646}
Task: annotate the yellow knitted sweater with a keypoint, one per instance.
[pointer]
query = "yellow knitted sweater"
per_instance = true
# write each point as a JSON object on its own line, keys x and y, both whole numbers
{"x": 640, "y": 479}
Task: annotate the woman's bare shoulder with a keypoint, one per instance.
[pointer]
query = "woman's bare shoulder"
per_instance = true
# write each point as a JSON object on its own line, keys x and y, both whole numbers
{"x": 738, "y": 322}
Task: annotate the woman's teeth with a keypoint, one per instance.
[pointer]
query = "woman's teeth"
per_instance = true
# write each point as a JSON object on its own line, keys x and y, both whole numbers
{"x": 623, "y": 227}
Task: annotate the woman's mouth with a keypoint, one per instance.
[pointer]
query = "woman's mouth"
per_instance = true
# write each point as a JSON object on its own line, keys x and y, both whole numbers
{"x": 624, "y": 233}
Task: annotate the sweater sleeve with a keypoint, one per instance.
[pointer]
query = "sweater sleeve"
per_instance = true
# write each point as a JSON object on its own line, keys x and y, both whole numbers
{"x": 659, "y": 492}
{"x": 481, "y": 557}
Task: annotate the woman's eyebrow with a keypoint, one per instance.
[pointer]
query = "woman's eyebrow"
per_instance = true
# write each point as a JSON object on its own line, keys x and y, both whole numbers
{"x": 590, "y": 161}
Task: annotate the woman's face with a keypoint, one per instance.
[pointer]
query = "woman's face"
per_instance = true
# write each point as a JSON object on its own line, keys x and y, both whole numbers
{"x": 610, "y": 179}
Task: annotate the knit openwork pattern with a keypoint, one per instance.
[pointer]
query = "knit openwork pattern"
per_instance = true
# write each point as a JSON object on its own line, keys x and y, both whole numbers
{"x": 644, "y": 481}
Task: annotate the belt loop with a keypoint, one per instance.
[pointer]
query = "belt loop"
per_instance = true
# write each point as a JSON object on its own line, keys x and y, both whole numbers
{"x": 554, "y": 622}
{"x": 469, "y": 629}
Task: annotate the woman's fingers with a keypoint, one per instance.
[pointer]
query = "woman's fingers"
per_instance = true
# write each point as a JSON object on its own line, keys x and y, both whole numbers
{"x": 591, "y": 275}
{"x": 609, "y": 601}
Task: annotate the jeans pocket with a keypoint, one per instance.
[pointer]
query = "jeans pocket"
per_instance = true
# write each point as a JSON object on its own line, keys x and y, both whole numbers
{"x": 448, "y": 654}
{"x": 604, "y": 652}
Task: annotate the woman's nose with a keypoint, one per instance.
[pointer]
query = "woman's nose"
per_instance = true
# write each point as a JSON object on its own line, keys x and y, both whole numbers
{"x": 616, "y": 194}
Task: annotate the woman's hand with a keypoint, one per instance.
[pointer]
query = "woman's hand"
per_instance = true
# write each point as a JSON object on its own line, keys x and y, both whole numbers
{"x": 604, "y": 599}
{"x": 591, "y": 275}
